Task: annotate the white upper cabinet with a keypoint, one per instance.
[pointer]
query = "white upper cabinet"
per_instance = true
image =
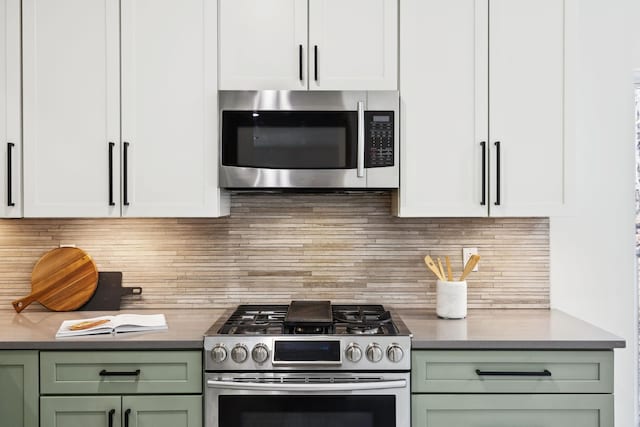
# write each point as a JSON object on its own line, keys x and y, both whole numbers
{"x": 10, "y": 117}
{"x": 263, "y": 44}
{"x": 169, "y": 108}
{"x": 526, "y": 116}
{"x": 71, "y": 108}
{"x": 351, "y": 45}
{"x": 482, "y": 99}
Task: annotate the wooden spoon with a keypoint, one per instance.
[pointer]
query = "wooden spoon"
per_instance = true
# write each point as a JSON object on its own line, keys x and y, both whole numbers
{"x": 471, "y": 263}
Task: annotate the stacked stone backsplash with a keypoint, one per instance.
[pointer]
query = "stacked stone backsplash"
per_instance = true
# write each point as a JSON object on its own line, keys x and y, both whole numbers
{"x": 345, "y": 247}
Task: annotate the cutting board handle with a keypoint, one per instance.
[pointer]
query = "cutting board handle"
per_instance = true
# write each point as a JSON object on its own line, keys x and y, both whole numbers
{"x": 131, "y": 291}
{"x": 23, "y": 303}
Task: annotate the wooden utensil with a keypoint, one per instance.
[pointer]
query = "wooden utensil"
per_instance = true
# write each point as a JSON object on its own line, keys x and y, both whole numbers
{"x": 432, "y": 266}
{"x": 88, "y": 324}
{"x": 449, "y": 273}
{"x": 471, "y": 263}
{"x": 440, "y": 268}
{"x": 62, "y": 280}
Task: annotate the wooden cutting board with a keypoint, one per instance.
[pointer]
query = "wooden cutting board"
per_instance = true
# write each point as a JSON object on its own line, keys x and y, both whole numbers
{"x": 62, "y": 280}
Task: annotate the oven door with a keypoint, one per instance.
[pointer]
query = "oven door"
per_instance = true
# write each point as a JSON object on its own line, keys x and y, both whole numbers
{"x": 307, "y": 400}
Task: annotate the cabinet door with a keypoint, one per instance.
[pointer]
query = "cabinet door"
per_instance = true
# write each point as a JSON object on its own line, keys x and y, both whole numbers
{"x": 71, "y": 108}
{"x": 19, "y": 388}
{"x": 353, "y": 44}
{"x": 263, "y": 44}
{"x": 527, "y": 107}
{"x": 542, "y": 410}
{"x": 169, "y": 108}
{"x": 443, "y": 95}
{"x": 162, "y": 411}
{"x": 10, "y": 117}
{"x": 80, "y": 411}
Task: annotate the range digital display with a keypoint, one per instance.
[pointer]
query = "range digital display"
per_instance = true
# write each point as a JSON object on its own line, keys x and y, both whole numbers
{"x": 307, "y": 351}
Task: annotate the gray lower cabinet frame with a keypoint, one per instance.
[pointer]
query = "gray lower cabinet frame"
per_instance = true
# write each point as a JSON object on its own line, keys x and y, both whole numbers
{"x": 502, "y": 388}
{"x": 509, "y": 410}
{"x": 19, "y": 388}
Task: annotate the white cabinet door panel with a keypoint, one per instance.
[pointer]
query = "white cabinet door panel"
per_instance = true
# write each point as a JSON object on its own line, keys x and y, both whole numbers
{"x": 356, "y": 42}
{"x": 260, "y": 42}
{"x": 169, "y": 107}
{"x": 443, "y": 90}
{"x": 10, "y": 111}
{"x": 527, "y": 106}
{"x": 71, "y": 107}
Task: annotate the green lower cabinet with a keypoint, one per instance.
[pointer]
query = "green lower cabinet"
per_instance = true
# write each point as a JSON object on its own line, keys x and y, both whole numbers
{"x": 19, "y": 388}
{"x": 163, "y": 411}
{"x": 117, "y": 411}
{"x": 80, "y": 411}
{"x": 501, "y": 410}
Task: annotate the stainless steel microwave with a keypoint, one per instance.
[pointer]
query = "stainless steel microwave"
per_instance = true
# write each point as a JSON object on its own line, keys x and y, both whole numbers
{"x": 298, "y": 139}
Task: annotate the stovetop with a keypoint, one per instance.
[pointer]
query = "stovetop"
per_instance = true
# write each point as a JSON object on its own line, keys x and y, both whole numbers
{"x": 308, "y": 335}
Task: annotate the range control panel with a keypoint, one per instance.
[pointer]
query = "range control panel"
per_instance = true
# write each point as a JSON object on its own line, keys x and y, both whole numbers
{"x": 379, "y": 140}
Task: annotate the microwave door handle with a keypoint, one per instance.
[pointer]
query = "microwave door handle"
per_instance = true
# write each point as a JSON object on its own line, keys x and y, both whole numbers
{"x": 307, "y": 387}
{"x": 360, "y": 139}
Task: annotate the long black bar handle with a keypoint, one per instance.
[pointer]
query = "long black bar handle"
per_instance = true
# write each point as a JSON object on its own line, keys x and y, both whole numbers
{"x": 111, "y": 413}
{"x": 125, "y": 175}
{"x": 10, "y": 202}
{"x": 300, "y": 63}
{"x": 497, "y": 144}
{"x": 315, "y": 62}
{"x": 126, "y": 417}
{"x": 545, "y": 373}
{"x": 483, "y": 144}
{"x": 111, "y": 147}
{"x": 105, "y": 373}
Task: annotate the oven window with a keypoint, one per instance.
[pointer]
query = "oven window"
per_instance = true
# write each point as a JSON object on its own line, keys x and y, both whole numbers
{"x": 307, "y": 411}
{"x": 290, "y": 139}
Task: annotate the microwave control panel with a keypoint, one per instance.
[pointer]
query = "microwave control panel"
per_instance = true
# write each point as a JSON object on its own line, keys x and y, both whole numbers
{"x": 379, "y": 140}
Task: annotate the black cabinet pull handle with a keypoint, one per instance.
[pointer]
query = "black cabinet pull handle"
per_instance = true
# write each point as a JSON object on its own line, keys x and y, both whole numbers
{"x": 545, "y": 373}
{"x": 300, "y": 62}
{"x": 111, "y": 413}
{"x": 125, "y": 175}
{"x": 105, "y": 373}
{"x": 10, "y": 202}
{"x": 315, "y": 62}
{"x": 483, "y": 144}
{"x": 126, "y": 417}
{"x": 111, "y": 146}
{"x": 497, "y": 144}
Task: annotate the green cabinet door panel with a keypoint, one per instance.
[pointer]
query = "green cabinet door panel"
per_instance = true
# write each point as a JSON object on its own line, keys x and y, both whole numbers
{"x": 455, "y": 371}
{"x": 19, "y": 388}
{"x": 80, "y": 411}
{"x": 512, "y": 410}
{"x": 163, "y": 411}
{"x": 161, "y": 372}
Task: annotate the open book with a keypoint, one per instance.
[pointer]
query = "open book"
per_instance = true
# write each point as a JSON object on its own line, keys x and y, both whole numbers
{"x": 113, "y": 325}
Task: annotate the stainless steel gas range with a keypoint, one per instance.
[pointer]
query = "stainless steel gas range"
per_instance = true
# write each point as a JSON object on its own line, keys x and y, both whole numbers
{"x": 308, "y": 364}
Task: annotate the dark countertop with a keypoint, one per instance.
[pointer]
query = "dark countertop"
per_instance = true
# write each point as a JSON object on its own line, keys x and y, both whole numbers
{"x": 483, "y": 329}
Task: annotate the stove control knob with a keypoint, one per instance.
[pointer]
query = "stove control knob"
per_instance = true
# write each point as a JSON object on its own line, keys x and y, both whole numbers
{"x": 374, "y": 353}
{"x": 219, "y": 353}
{"x": 395, "y": 353}
{"x": 353, "y": 352}
{"x": 260, "y": 353}
{"x": 239, "y": 353}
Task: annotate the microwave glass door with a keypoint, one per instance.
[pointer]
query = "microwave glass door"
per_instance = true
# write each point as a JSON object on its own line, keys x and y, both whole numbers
{"x": 307, "y": 411}
{"x": 290, "y": 139}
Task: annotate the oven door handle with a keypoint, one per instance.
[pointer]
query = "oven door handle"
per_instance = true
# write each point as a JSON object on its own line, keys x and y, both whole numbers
{"x": 307, "y": 387}
{"x": 360, "y": 147}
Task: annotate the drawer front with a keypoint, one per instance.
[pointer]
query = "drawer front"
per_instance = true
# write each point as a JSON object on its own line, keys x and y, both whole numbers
{"x": 120, "y": 372}
{"x": 512, "y": 371}
{"x": 512, "y": 410}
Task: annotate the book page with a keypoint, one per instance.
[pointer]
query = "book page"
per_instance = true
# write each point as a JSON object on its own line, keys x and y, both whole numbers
{"x": 151, "y": 321}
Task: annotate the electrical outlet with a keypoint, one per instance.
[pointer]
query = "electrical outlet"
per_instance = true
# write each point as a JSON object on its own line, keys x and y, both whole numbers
{"x": 466, "y": 254}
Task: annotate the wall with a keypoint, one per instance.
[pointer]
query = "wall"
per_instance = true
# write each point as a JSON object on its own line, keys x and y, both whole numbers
{"x": 593, "y": 273}
{"x": 278, "y": 247}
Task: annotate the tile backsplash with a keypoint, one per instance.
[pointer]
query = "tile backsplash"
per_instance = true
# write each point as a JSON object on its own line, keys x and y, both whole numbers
{"x": 276, "y": 247}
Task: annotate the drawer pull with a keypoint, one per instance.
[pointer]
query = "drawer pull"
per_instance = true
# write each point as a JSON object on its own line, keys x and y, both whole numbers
{"x": 545, "y": 373}
{"x": 126, "y": 417}
{"x": 105, "y": 373}
{"x": 111, "y": 412}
